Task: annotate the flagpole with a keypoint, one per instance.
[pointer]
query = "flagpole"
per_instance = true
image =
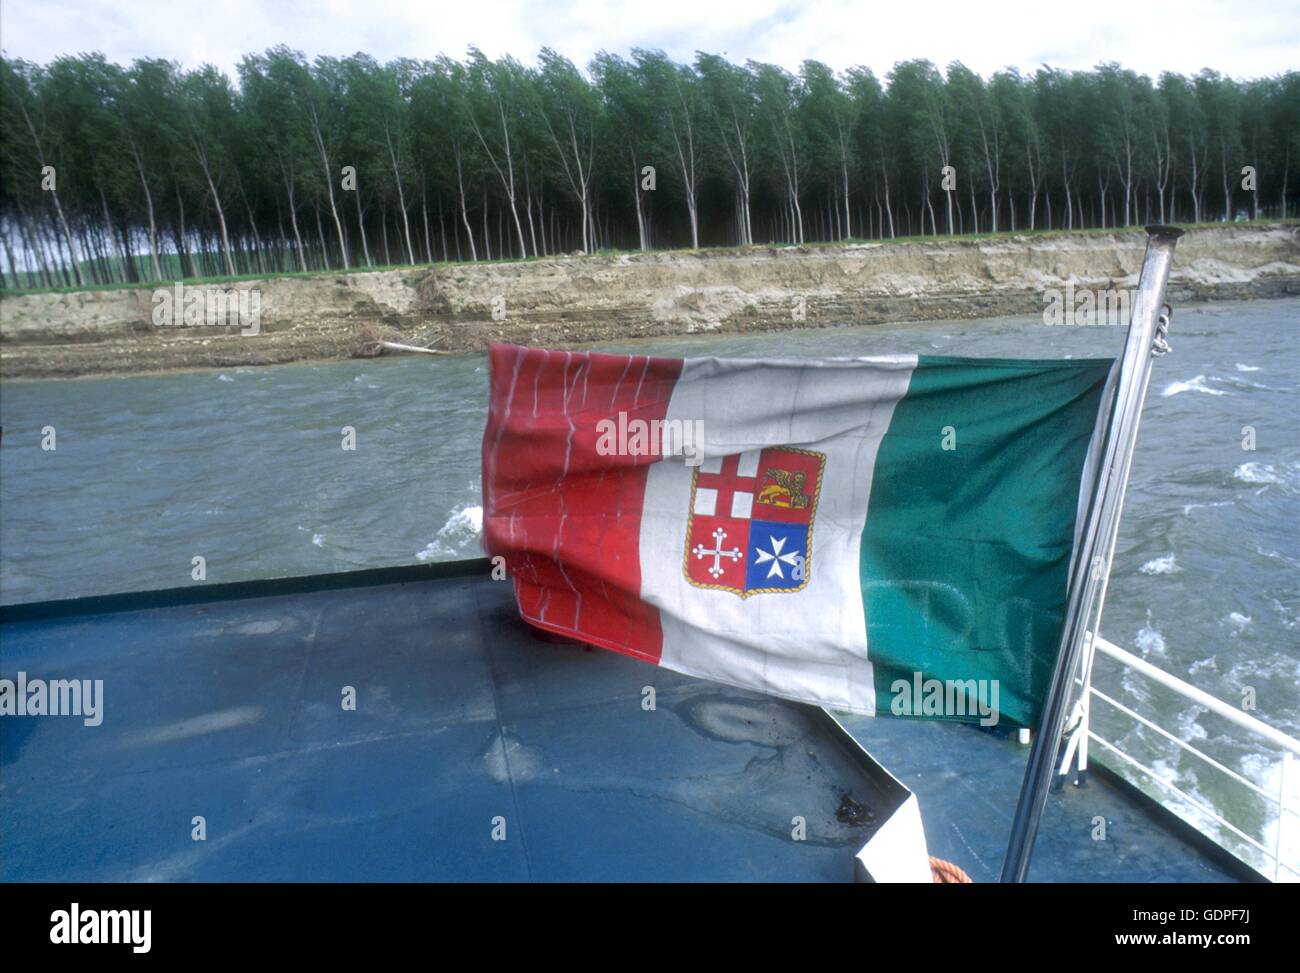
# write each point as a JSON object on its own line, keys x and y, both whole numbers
{"x": 1097, "y": 542}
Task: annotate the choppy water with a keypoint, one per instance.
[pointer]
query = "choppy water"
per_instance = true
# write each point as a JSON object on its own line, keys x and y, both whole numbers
{"x": 245, "y": 467}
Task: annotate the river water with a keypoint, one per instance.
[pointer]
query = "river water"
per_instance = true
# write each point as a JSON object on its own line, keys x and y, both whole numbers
{"x": 245, "y": 467}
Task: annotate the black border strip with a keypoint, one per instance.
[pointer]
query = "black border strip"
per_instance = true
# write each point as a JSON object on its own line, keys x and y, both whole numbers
{"x": 198, "y": 594}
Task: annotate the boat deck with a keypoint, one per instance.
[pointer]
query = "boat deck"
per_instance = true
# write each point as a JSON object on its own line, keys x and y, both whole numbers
{"x": 226, "y": 703}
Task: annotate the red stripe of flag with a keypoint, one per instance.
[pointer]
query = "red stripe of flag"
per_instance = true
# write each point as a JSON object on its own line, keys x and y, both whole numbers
{"x": 566, "y": 519}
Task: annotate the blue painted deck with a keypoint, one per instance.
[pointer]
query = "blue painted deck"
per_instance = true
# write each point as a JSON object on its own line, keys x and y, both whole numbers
{"x": 230, "y": 709}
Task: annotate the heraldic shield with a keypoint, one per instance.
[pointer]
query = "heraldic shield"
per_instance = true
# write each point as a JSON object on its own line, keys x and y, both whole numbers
{"x": 751, "y": 518}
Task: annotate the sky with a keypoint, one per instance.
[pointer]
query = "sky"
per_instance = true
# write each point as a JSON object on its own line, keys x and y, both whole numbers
{"x": 1237, "y": 37}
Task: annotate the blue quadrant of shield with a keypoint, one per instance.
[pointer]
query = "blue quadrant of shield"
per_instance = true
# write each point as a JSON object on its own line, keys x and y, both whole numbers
{"x": 777, "y": 555}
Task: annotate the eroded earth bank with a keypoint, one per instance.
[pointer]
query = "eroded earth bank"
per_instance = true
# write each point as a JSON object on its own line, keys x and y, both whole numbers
{"x": 571, "y": 300}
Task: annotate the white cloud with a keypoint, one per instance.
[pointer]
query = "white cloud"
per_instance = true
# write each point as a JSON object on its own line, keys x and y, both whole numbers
{"x": 1241, "y": 40}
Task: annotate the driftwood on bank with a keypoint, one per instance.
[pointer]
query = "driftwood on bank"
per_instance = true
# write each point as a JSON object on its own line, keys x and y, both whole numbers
{"x": 394, "y": 346}
{"x": 375, "y": 340}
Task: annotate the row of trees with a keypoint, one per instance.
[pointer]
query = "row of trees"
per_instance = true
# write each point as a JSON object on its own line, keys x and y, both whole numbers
{"x": 153, "y": 172}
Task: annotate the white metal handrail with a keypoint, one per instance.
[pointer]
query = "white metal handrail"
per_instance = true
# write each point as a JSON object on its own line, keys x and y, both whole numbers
{"x": 1199, "y": 696}
{"x": 1290, "y": 746}
{"x": 1138, "y": 717}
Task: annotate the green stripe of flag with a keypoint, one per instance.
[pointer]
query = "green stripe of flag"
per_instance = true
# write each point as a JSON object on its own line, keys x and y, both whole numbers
{"x": 966, "y": 550}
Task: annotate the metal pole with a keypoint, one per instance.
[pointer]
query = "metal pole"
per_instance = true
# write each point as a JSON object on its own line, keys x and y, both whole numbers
{"x": 1078, "y": 742}
{"x": 1092, "y": 621}
{"x": 1088, "y": 570}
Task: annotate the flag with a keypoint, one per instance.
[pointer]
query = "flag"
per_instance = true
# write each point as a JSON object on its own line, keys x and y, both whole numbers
{"x": 886, "y": 535}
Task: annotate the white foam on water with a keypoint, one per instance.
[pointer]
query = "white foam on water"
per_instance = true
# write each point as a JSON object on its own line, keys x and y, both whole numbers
{"x": 1244, "y": 383}
{"x": 1289, "y": 619}
{"x": 1277, "y": 556}
{"x": 1248, "y": 368}
{"x": 1189, "y": 507}
{"x": 1166, "y": 769}
{"x": 1188, "y": 727}
{"x": 1149, "y": 640}
{"x": 1136, "y": 687}
{"x": 1196, "y": 384}
{"x": 223, "y": 377}
{"x": 1256, "y": 472}
{"x": 455, "y": 537}
{"x": 1247, "y": 672}
{"x": 1191, "y": 808}
{"x": 1160, "y": 565}
{"x": 1212, "y": 663}
{"x": 318, "y": 540}
{"x": 1238, "y": 621}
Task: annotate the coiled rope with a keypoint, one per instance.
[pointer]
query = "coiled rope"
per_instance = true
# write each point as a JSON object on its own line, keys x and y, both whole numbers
{"x": 946, "y": 873}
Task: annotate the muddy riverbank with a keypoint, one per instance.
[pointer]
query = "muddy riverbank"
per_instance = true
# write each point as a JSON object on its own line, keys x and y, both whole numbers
{"x": 572, "y": 300}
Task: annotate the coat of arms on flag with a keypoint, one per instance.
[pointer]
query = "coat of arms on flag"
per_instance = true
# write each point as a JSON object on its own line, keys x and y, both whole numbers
{"x": 750, "y": 525}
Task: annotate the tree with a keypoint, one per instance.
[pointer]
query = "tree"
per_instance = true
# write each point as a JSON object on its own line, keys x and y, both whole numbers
{"x": 570, "y": 111}
{"x": 1220, "y": 99}
{"x": 826, "y": 112}
{"x": 731, "y": 99}
{"x": 777, "y": 101}
{"x": 25, "y": 112}
{"x": 924, "y": 110}
{"x": 873, "y": 148}
{"x": 675, "y": 95}
{"x": 630, "y": 119}
{"x": 494, "y": 102}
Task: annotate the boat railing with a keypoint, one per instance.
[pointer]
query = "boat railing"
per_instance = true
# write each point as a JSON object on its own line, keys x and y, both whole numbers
{"x": 1081, "y": 733}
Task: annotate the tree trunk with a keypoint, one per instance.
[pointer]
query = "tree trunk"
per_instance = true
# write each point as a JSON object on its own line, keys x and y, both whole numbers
{"x": 361, "y": 224}
{"x": 293, "y": 221}
{"x": 464, "y": 209}
{"x": 401, "y": 198}
{"x": 329, "y": 186}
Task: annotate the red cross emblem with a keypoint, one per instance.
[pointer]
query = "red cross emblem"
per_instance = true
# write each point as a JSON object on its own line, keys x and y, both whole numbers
{"x": 751, "y": 516}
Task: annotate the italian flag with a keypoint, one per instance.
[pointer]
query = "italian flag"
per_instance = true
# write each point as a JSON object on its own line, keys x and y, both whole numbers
{"x": 846, "y": 532}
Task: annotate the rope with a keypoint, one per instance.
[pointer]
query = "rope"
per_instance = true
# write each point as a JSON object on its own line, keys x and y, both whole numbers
{"x": 946, "y": 873}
